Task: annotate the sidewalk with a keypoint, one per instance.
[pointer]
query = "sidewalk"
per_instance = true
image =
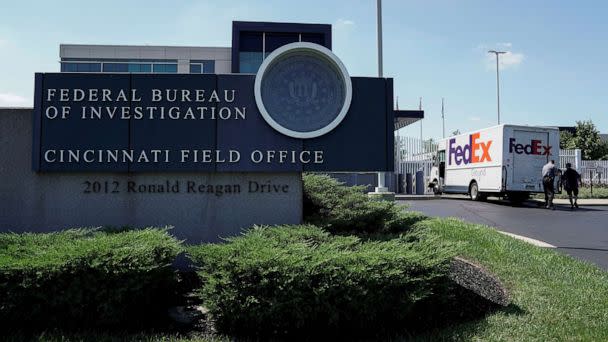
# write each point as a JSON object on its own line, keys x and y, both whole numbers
{"x": 581, "y": 201}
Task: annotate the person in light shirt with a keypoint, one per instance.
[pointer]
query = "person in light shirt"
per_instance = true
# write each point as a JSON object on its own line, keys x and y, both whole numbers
{"x": 549, "y": 172}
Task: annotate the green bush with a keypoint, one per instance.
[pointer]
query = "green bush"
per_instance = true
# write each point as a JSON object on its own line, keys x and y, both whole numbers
{"x": 78, "y": 278}
{"x": 347, "y": 209}
{"x": 295, "y": 280}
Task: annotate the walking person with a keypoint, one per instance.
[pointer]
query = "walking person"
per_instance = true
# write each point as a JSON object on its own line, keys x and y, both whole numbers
{"x": 549, "y": 172}
{"x": 571, "y": 180}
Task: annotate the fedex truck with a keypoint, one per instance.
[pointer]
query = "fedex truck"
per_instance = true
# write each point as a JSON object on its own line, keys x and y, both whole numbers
{"x": 504, "y": 160}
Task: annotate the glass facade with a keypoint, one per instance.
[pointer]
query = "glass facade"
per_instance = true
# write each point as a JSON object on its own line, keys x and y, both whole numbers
{"x": 136, "y": 66}
{"x": 80, "y": 67}
{"x": 275, "y": 40}
{"x": 165, "y": 68}
{"x": 251, "y": 45}
{"x": 256, "y": 42}
{"x": 206, "y": 66}
{"x": 316, "y": 38}
{"x": 196, "y": 68}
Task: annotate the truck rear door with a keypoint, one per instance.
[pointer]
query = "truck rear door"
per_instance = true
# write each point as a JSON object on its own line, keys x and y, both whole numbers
{"x": 529, "y": 153}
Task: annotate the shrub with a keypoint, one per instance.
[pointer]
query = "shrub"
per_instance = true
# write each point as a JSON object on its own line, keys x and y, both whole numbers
{"x": 347, "y": 209}
{"x": 298, "y": 280}
{"x": 79, "y": 278}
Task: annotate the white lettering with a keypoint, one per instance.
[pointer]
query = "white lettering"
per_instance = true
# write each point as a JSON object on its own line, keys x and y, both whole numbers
{"x": 50, "y": 93}
{"x": 51, "y": 112}
{"x": 47, "y": 158}
{"x": 156, "y": 95}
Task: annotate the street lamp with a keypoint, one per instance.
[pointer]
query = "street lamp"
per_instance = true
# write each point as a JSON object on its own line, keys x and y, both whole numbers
{"x": 497, "y": 53}
{"x": 381, "y": 188}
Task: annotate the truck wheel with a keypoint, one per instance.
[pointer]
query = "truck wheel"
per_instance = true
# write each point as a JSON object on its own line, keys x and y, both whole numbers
{"x": 474, "y": 192}
{"x": 436, "y": 189}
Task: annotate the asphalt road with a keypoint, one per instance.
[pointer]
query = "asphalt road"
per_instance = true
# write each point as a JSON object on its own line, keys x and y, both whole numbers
{"x": 582, "y": 233}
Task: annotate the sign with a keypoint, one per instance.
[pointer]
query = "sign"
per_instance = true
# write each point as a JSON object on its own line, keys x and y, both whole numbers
{"x": 474, "y": 151}
{"x": 303, "y": 90}
{"x": 301, "y": 112}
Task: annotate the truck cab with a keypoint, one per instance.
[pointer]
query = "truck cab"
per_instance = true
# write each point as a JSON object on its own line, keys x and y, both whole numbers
{"x": 438, "y": 171}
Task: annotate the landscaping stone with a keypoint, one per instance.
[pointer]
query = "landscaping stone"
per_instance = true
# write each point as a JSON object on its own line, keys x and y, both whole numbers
{"x": 478, "y": 280}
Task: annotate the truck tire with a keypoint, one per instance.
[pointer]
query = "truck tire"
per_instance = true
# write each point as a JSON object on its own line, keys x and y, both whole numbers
{"x": 474, "y": 192}
{"x": 436, "y": 189}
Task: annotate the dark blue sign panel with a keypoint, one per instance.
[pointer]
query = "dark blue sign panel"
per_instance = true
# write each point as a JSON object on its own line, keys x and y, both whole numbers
{"x": 272, "y": 151}
{"x": 197, "y": 122}
{"x": 79, "y": 113}
{"x": 178, "y": 117}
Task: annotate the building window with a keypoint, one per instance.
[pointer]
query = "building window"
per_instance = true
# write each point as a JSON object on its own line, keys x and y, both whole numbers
{"x": 203, "y": 66}
{"x": 251, "y": 47}
{"x": 250, "y": 62}
{"x": 115, "y": 67}
{"x": 133, "y": 67}
{"x": 196, "y": 68}
{"x": 316, "y": 38}
{"x": 80, "y": 67}
{"x": 274, "y": 40}
{"x": 165, "y": 68}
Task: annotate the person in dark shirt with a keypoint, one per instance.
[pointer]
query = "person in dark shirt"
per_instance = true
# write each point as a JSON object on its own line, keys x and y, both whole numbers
{"x": 571, "y": 180}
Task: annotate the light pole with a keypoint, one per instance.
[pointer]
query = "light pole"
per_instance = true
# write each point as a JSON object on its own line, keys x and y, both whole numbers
{"x": 497, "y": 53}
{"x": 381, "y": 188}
{"x": 442, "y": 119}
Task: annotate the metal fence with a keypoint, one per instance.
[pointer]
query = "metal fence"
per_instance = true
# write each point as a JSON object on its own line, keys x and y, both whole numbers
{"x": 413, "y": 155}
{"x": 592, "y": 171}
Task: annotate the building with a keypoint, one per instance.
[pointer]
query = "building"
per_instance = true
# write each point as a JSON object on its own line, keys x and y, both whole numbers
{"x": 144, "y": 59}
{"x": 251, "y": 43}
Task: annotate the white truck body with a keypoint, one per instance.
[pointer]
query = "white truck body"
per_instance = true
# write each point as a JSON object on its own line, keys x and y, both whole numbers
{"x": 504, "y": 159}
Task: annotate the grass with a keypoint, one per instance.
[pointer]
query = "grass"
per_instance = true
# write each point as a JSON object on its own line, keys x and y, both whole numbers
{"x": 585, "y": 192}
{"x": 554, "y": 297}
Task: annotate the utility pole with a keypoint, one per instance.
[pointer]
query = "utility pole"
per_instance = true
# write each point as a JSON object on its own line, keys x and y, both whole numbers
{"x": 497, "y": 53}
{"x": 381, "y": 188}
{"x": 421, "y": 140}
{"x": 442, "y": 118}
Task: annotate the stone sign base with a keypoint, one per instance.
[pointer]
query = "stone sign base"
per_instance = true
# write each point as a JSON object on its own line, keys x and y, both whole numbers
{"x": 202, "y": 207}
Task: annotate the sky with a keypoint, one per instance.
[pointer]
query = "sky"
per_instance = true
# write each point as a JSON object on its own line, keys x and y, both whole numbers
{"x": 554, "y": 72}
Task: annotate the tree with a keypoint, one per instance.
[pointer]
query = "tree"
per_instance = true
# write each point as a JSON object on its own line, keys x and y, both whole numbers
{"x": 567, "y": 140}
{"x": 587, "y": 139}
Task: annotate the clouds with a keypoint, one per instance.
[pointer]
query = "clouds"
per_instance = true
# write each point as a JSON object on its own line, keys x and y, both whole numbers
{"x": 508, "y": 60}
{"x": 13, "y": 100}
{"x": 344, "y": 23}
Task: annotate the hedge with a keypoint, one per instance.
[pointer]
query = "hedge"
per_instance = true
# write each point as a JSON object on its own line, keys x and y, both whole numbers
{"x": 83, "y": 278}
{"x": 347, "y": 209}
{"x": 295, "y": 280}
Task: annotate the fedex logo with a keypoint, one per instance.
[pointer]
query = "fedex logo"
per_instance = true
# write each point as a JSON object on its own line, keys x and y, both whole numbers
{"x": 474, "y": 152}
{"x": 533, "y": 148}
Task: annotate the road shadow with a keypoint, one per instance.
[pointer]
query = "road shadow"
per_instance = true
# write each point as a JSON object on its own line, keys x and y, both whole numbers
{"x": 584, "y": 248}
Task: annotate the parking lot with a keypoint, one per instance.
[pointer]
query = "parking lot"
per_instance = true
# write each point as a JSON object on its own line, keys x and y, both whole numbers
{"x": 581, "y": 233}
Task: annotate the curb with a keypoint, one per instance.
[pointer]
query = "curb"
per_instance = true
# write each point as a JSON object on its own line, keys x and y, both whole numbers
{"x": 416, "y": 197}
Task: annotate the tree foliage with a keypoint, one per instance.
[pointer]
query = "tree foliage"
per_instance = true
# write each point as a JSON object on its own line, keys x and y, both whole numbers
{"x": 587, "y": 139}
